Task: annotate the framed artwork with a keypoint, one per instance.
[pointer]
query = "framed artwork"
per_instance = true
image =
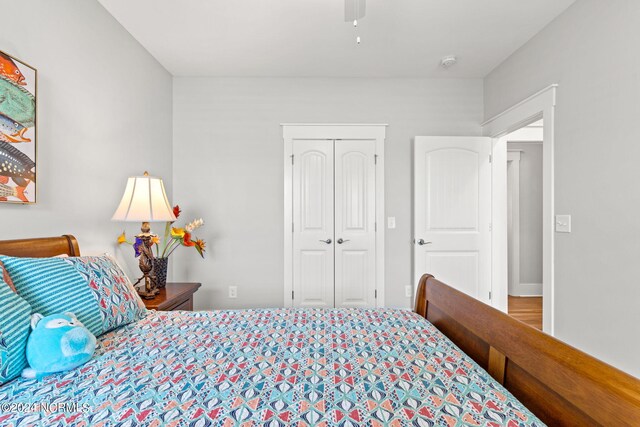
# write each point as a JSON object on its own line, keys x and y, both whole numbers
{"x": 18, "y": 83}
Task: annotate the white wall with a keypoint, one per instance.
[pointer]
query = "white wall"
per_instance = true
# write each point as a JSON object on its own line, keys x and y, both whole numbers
{"x": 591, "y": 50}
{"x": 228, "y": 168}
{"x": 530, "y": 217}
{"x": 104, "y": 113}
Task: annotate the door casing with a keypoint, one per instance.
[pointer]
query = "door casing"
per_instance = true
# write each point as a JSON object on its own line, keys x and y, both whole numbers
{"x": 540, "y": 105}
{"x": 513, "y": 191}
{"x": 310, "y": 131}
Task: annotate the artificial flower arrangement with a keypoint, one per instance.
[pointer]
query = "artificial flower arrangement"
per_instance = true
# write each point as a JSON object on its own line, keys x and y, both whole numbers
{"x": 173, "y": 238}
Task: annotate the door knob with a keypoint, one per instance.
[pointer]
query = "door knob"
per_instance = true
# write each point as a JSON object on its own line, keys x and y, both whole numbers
{"x": 421, "y": 242}
{"x": 328, "y": 241}
{"x": 340, "y": 241}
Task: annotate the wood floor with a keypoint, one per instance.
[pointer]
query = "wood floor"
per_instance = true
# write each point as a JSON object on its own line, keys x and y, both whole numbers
{"x": 527, "y": 310}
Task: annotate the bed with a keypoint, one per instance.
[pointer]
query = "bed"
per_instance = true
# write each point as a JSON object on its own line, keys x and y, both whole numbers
{"x": 452, "y": 362}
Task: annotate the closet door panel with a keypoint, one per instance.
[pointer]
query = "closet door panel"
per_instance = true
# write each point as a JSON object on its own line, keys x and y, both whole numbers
{"x": 313, "y": 223}
{"x": 355, "y": 204}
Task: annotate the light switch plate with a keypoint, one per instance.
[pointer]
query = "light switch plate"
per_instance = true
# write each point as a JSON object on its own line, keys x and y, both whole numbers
{"x": 408, "y": 291}
{"x": 391, "y": 222}
{"x": 563, "y": 223}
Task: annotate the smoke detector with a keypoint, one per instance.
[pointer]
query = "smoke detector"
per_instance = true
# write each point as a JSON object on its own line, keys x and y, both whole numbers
{"x": 448, "y": 61}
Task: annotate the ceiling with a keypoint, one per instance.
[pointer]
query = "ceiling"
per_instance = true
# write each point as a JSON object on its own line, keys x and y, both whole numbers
{"x": 309, "y": 38}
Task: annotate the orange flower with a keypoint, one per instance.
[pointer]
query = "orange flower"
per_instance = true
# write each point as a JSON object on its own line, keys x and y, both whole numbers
{"x": 155, "y": 239}
{"x": 200, "y": 245}
{"x": 176, "y": 211}
{"x": 186, "y": 240}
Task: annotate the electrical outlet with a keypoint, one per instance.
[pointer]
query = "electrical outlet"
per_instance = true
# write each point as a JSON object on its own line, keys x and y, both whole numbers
{"x": 408, "y": 291}
{"x": 233, "y": 292}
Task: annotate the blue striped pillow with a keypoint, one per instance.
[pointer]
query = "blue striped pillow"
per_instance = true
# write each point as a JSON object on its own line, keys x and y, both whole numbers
{"x": 93, "y": 288}
{"x": 15, "y": 320}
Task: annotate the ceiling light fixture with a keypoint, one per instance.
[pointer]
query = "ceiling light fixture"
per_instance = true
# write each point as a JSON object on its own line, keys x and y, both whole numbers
{"x": 354, "y": 10}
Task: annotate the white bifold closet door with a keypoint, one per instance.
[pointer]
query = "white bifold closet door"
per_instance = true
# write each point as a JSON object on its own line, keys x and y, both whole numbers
{"x": 355, "y": 221}
{"x": 334, "y": 223}
{"x": 313, "y": 233}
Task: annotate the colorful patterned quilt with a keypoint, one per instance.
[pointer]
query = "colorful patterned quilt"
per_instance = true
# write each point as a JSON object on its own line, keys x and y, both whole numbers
{"x": 280, "y": 367}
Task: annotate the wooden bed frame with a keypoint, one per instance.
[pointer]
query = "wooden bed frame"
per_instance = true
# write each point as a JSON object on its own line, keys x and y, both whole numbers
{"x": 41, "y": 247}
{"x": 560, "y": 384}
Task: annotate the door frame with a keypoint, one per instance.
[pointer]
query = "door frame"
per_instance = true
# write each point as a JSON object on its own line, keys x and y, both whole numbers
{"x": 293, "y": 131}
{"x": 540, "y": 105}
{"x": 513, "y": 157}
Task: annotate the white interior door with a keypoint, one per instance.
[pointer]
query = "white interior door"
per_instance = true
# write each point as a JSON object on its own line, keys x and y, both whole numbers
{"x": 355, "y": 222}
{"x": 313, "y": 225}
{"x": 452, "y": 214}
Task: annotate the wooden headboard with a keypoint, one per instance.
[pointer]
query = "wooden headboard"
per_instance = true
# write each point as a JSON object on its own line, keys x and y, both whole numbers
{"x": 41, "y": 247}
{"x": 561, "y": 385}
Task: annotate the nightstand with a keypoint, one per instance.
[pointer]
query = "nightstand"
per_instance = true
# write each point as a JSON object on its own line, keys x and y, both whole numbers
{"x": 175, "y": 296}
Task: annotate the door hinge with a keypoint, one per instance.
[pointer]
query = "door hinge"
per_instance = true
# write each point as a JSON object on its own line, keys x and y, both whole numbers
{"x": 490, "y": 158}
{"x": 375, "y": 227}
{"x": 292, "y": 159}
{"x": 489, "y": 295}
{"x": 375, "y": 294}
{"x": 292, "y": 294}
{"x": 375, "y": 159}
{"x": 292, "y": 227}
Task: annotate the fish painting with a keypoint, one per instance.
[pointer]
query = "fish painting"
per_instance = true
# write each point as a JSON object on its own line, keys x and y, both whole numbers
{"x": 10, "y": 70}
{"x": 17, "y": 102}
{"x": 16, "y": 165}
{"x": 18, "y": 135}
{"x": 12, "y": 130}
{"x": 8, "y": 191}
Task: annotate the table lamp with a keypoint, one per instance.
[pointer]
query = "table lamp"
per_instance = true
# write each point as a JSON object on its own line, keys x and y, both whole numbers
{"x": 145, "y": 201}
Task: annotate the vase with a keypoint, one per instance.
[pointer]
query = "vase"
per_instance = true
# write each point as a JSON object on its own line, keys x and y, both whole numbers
{"x": 160, "y": 271}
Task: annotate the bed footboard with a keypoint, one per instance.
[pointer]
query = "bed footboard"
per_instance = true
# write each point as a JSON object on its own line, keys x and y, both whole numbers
{"x": 563, "y": 386}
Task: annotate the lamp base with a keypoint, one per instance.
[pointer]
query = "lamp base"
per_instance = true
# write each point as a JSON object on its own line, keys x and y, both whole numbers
{"x": 148, "y": 295}
{"x": 150, "y": 289}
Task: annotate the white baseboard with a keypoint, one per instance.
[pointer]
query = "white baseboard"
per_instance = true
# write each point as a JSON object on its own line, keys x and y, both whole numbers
{"x": 527, "y": 290}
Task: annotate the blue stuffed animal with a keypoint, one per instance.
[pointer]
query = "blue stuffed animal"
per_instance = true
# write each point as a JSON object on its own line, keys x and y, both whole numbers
{"x": 57, "y": 343}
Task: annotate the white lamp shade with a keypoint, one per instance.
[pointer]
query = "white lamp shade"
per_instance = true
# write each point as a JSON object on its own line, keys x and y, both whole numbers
{"x": 144, "y": 200}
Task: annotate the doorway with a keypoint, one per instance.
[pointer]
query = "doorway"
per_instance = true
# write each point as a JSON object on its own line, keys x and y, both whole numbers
{"x": 524, "y": 220}
{"x": 334, "y": 200}
{"x": 539, "y": 106}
